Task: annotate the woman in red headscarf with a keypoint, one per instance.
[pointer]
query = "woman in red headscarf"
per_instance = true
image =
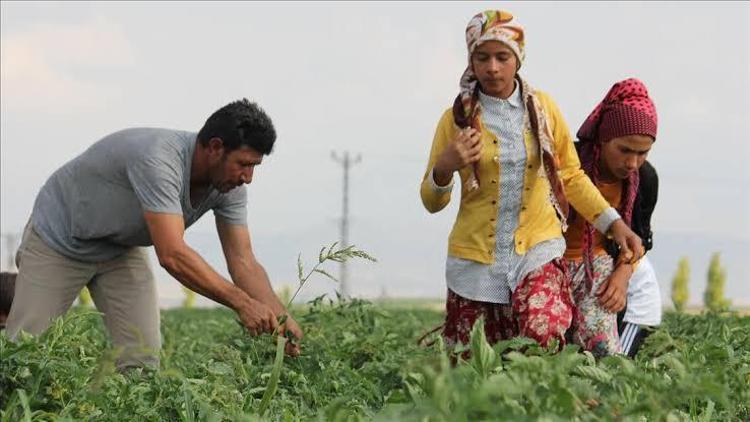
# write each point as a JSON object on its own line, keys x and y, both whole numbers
{"x": 614, "y": 142}
{"x": 518, "y": 168}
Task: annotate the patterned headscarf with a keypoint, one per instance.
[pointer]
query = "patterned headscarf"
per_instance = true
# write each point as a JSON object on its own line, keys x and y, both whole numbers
{"x": 502, "y": 26}
{"x": 490, "y": 25}
{"x": 625, "y": 110}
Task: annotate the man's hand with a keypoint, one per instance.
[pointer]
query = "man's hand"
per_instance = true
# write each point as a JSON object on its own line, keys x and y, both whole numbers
{"x": 631, "y": 247}
{"x": 465, "y": 149}
{"x": 257, "y": 318}
{"x": 613, "y": 292}
{"x": 252, "y": 279}
{"x": 295, "y": 333}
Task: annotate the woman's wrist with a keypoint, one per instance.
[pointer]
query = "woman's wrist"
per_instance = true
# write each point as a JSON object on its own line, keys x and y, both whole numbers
{"x": 441, "y": 177}
{"x": 627, "y": 266}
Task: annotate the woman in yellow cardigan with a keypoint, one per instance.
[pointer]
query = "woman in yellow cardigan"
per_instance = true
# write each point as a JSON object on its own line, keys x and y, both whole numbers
{"x": 518, "y": 169}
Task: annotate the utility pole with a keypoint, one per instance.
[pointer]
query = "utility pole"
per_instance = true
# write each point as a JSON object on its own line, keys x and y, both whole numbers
{"x": 346, "y": 162}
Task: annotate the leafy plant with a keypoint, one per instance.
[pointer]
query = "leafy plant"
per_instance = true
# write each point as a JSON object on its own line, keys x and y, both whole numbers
{"x": 189, "y": 300}
{"x": 361, "y": 362}
{"x": 332, "y": 254}
{"x": 713, "y": 297}
{"x": 680, "y": 293}
{"x": 84, "y": 297}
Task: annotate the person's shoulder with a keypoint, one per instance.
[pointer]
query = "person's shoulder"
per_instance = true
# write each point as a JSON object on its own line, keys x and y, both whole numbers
{"x": 549, "y": 106}
{"x": 446, "y": 122}
{"x": 647, "y": 174}
{"x": 545, "y": 99}
{"x": 447, "y": 115}
{"x": 155, "y": 133}
{"x": 158, "y": 148}
{"x": 578, "y": 145}
{"x": 163, "y": 140}
{"x": 161, "y": 135}
{"x": 140, "y": 132}
{"x": 235, "y": 196}
{"x": 542, "y": 94}
{"x": 648, "y": 169}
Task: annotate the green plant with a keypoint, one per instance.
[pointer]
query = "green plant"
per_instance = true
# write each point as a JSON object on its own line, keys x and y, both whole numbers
{"x": 332, "y": 254}
{"x": 84, "y": 297}
{"x": 680, "y": 292}
{"x": 189, "y": 300}
{"x": 713, "y": 297}
{"x": 693, "y": 368}
{"x": 361, "y": 362}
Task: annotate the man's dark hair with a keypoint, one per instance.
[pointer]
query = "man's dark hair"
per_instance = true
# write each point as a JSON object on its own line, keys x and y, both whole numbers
{"x": 240, "y": 123}
{"x": 7, "y": 290}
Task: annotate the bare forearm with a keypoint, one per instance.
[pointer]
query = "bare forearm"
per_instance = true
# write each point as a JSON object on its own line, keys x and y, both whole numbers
{"x": 191, "y": 270}
{"x": 254, "y": 281}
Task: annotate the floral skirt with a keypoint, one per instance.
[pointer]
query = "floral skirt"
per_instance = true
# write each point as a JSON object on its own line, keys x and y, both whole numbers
{"x": 594, "y": 328}
{"x": 541, "y": 308}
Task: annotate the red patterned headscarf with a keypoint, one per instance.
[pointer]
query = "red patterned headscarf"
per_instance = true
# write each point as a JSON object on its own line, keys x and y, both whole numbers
{"x": 490, "y": 25}
{"x": 626, "y": 110}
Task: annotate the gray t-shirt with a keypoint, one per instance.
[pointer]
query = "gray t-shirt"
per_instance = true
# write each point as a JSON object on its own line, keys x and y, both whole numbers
{"x": 91, "y": 209}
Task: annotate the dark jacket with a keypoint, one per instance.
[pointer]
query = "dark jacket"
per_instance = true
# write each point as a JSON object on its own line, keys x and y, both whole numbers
{"x": 645, "y": 201}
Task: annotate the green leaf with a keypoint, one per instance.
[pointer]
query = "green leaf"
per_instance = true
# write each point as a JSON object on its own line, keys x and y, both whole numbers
{"x": 300, "y": 269}
{"x": 189, "y": 410}
{"x": 326, "y": 274}
{"x": 593, "y": 373}
{"x": 273, "y": 382}
{"x": 483, "y": 357}
{"x": 321, "y": 258}
{"x": 219, "y": 368}
{"x": 25, "y": 405}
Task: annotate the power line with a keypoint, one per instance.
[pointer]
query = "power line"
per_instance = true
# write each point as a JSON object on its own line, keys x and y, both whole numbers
{"x": 346, "y": 162}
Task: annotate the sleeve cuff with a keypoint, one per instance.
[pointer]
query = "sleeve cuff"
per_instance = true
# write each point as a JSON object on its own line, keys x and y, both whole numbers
{"x": 437, "y": 188}
{"x": 605, "y": 219}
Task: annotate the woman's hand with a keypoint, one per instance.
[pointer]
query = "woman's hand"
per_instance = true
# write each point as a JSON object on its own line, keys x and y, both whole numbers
{"x": 465, "y": 149}
{"x": 613, "y": 293}
{"x": 631, "y": 246}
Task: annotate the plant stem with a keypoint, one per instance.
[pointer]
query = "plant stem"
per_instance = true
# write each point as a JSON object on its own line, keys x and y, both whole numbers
{"x": 302, "y": 283}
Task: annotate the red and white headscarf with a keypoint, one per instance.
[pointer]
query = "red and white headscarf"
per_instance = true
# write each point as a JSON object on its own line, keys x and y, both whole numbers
{"x": 625, "y": 110}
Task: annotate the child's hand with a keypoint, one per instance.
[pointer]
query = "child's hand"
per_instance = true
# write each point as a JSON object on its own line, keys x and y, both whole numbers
{"x": 613, "y": 292}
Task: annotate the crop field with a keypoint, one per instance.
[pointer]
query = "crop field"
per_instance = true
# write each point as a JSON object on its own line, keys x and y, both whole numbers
{"x": 361, "y": 361}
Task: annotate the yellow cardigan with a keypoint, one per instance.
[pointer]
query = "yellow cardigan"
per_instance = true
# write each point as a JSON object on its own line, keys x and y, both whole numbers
{"x": 473, "y": 234}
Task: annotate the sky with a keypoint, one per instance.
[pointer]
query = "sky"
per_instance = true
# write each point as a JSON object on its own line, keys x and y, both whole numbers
{"x": 373, "y": 79}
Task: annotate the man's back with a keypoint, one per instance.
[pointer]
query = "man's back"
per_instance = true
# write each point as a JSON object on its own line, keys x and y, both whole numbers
{"x": 91, "y": 209}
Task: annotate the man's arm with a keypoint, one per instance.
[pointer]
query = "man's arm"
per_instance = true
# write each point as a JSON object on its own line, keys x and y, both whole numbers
{"x": 183, "y": 263}
{"x": 245, "y": 270}
{"x": 248, "y": 274}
